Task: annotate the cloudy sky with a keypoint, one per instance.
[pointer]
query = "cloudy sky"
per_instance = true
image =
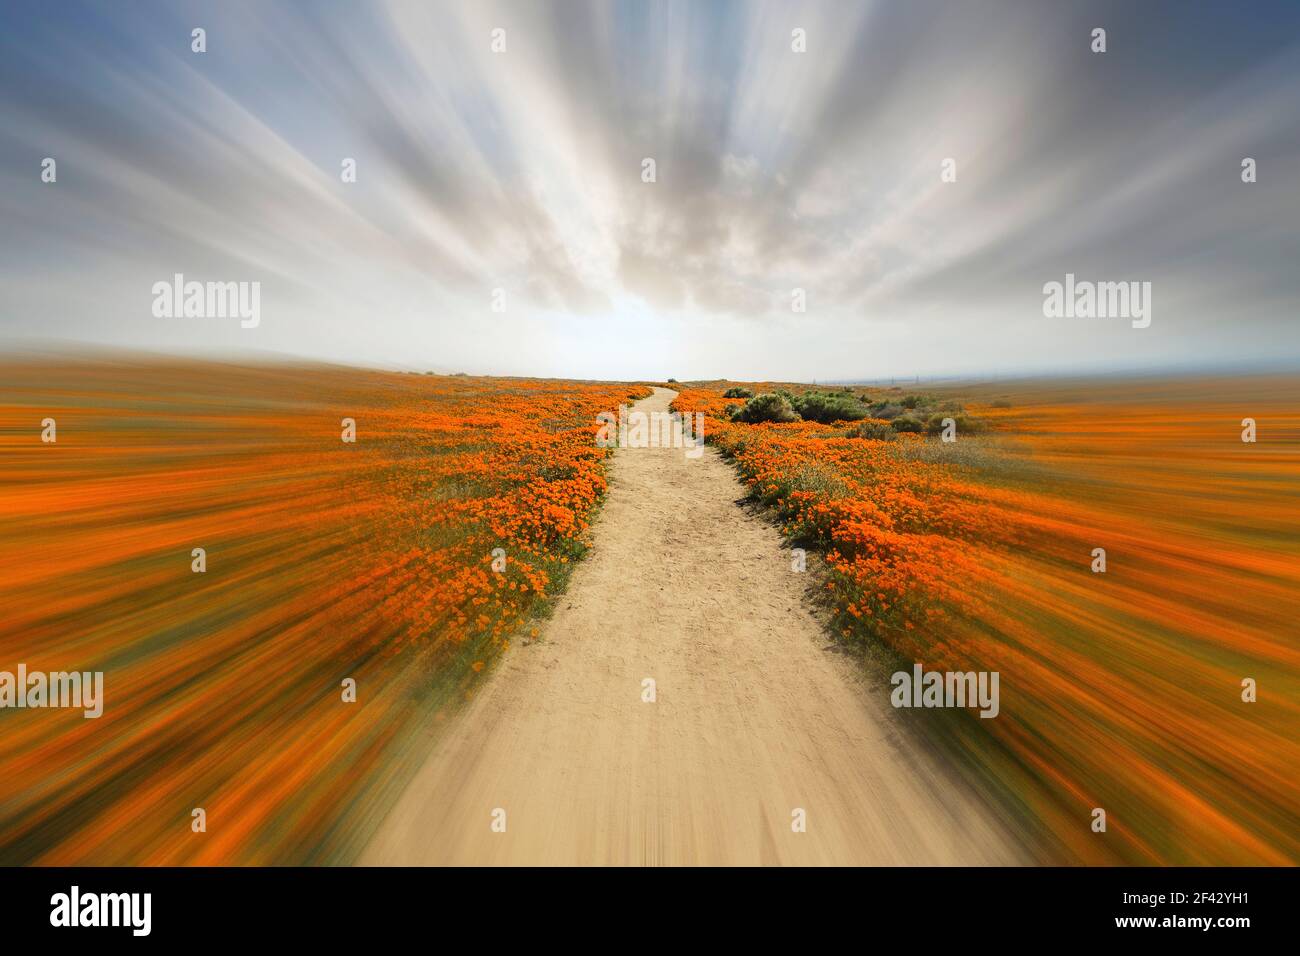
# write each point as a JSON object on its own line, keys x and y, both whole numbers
{"x": 522, "y": 171}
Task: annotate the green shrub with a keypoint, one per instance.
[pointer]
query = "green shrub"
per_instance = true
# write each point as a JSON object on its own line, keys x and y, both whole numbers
{"x": 829, "y": 407}
{"x": 965, "y": 424}
{"x": 766, "y": 408}
{"x": 873, "y": 429}
{"x": 907, "y": 423}
{"x": 738, "y": 391}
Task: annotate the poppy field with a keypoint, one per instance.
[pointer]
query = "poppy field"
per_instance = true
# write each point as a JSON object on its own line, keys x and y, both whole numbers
{"x": 290, "y": 577}
{"x": 1124, "y": 683}
{"x": 276, "y": 611}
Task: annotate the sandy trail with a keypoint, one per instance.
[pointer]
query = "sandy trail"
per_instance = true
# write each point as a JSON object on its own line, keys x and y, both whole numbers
{"x": 754, "y": 717}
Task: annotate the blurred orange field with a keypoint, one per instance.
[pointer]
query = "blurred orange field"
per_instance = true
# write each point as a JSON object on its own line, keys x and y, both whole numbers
{"x": 1121, "y": 690}
{"x": 325, "y": 560}
{"x": 374, "y": 560}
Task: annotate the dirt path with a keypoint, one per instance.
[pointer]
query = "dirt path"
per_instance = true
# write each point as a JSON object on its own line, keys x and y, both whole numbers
{"x": 754, "y": 716}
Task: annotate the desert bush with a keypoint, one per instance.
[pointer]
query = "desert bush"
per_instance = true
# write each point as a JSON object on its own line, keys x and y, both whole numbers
{"x": 965, "y": 424}
{"x": 738, "y": 391}
{"x": 829, "y": 407}
{"x": 766, "y": 408}
{"x": 873, "y": 429}
{"x": 907, "y": 423}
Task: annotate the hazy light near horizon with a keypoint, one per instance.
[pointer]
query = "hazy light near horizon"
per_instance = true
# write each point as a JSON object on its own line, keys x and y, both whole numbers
{"x": 520, "y": 170}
